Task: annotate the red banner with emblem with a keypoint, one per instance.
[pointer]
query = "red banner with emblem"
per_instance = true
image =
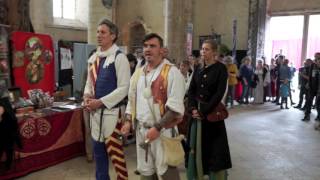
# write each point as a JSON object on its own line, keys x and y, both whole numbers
{"x": 33, "y": 61}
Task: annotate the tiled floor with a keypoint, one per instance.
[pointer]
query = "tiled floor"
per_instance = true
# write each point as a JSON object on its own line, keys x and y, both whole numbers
{"x": 266, "y": 144}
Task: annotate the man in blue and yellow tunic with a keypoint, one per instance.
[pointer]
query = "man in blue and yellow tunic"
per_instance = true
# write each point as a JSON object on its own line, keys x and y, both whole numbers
{"x": 107, "y": 85}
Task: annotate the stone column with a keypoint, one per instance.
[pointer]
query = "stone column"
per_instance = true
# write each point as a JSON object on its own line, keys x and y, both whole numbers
{"x": 257, "y": 24}
{"x": 96, "y": 12}
{"x": 177, "y": 13}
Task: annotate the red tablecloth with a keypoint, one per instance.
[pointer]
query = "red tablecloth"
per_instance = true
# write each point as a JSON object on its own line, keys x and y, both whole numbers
{"x": 47, "y": 141}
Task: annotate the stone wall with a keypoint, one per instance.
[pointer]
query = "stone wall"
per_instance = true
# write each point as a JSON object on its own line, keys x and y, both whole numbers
{"x": 294, "y": 5}
{"x": 219, "y": 14}
{"x": 147, "y": 12}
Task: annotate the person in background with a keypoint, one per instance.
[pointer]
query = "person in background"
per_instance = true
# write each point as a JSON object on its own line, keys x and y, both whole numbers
{"x": 273, "y": 77}
{"x": 279, "y": 64}
{"x": 140, "y": 59}
{"x": 313, "y": 90}
{"x": 284, "y": 93}
{"x": 246, "y": 74}
{"x": 9, "y": 129}
{"x": 193, "y": 63}
{"x": 292, "y": 72}
{"x": 133, "y": 62}
{"x": 106, "y": 86}
{"x": 266, "y": 83}
{"x": 303, "y": 83}
{"x": 221, "y": 58}
{"x": 166, "y": 55}
{"x": 184, "y": 69}
{"x": 232, "y": 79}
{"x": 258, "y": 90}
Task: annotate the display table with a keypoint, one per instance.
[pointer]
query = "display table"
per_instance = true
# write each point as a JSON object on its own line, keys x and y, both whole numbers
{"x": 48, "y": 138}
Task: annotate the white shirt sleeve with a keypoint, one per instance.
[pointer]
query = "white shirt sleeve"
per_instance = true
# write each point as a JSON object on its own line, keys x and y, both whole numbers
{"x": 128, "y": 108}
{"x": 88, "y": 89}
{"x": 175, "y": 91}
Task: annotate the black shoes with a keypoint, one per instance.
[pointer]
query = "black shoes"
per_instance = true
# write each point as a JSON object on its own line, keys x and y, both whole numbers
{"x": 297, "y": 107}
{"x": 306, "y": 118}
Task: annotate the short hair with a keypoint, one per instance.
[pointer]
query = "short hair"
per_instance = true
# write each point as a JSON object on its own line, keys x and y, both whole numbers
{"x": 246, "y": 58}
{"x": 132, "y": 58}
{"x": 229, "y": 59}
{"x": 112, "y": 28}
{"x": 213, "y": 44}
{"x": 151, "y": 36}
{"x": 281, "y": 57}
{"x": 185, "y": 62}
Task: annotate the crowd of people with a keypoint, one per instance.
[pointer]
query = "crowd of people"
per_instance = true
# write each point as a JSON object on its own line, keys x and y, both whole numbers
{"x": 152, "y": 96}
{"x": 156, "y": 92}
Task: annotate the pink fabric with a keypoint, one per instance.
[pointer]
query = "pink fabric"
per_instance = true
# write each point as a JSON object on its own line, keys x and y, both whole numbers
{"x": 290, "y": 48}
{"x": 313, "y": 46}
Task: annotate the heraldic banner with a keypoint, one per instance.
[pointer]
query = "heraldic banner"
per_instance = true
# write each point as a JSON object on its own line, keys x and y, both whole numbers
{"x": 33, "y": 61}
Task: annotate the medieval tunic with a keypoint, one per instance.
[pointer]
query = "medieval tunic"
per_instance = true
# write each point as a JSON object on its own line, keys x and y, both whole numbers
{"x": 117, "y": 71}
{"x": 108, "y": 80}
{"x": 174, "y": 101}
{"x": 206, "y": 90}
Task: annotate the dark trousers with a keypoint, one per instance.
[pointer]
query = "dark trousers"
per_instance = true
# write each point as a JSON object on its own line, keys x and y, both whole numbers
{"x": 101, "y": 158}
{"x": 302, "y": 95}
{"x": 230, "y": 95}
{"x": 9, "y": 132}
{"x": 245, "y": 93}
{"x": 278, "y": 83}
{"x": 266, "y": 92}
{"x": 284, "y": 100}
{"x": 309, "y": 102}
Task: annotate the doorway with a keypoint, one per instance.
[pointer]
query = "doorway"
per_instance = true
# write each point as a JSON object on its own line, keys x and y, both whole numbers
{"x": 296, "y": 37}
{"x": 285, "y": 38}
{"x": 313, "y": 44}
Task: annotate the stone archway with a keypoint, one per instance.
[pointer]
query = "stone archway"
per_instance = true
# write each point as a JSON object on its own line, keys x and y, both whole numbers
{"x": 133, "y": 34}
{"x": 136, "y": 36}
